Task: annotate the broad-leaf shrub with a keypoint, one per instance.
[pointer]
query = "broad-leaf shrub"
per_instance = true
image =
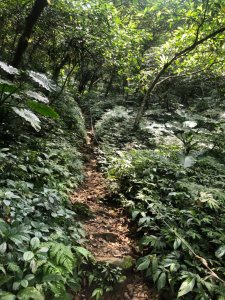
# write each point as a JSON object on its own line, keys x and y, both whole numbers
{"x": 39, "y": 231}
{"x": 18, "y": 96}
{"x": 180, "y": 217}
{"x": 71, "y": 114}
{"x": 118, "y": 121}
{"x": 175, "y": 195}
{"x": 96, "y": 105}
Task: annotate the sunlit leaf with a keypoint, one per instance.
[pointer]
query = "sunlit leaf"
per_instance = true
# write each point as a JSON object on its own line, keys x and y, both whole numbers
{"x": 186, "y": 287}
{"x": 29, "y": 116}
{"x": 83, "y": 252}
{"x": 97, "y": 293}
{"x": 30, "y": 293}
{"x": 34, "y": 242}
{"x": 220, "y": 251}
{"x": 28, "y": 255}
{"x": 42, "y": 80}
{"x": 187, "y": 161}
{"x": 7, "y": 296}
{"x": 37, "y": 96}
{"x": 3, "y": 248}
{"x": 176, "y": 243}
{"x": 190, "y": 124}
{"x": 9, "y": 69}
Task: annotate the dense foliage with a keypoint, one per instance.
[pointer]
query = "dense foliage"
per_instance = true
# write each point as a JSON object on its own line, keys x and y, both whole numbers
{"x": 173, "y": 187}
{"x": 148, "y": 76}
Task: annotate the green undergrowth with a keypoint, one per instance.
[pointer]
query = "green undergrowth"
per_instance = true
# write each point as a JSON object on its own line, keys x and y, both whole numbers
{"x": 170, "y": 177}
{"x": 42, "y": 255}
{"x": 95, "y": 104}
{"x": 40, "y": 250}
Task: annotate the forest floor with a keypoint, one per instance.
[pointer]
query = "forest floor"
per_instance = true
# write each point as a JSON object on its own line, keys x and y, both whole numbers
{"x": 109, "y": 237}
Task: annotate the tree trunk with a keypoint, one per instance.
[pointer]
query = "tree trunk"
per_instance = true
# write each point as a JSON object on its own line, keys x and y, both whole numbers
{"x": 35, "y": 13}
{"x": 109, "y": 85}
{"x": 59, "y": 67}
{"x": 94, "y": 79}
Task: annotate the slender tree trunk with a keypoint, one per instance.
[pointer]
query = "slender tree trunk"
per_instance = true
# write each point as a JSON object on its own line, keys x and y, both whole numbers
{"x": 94, "y": 78}
{"x": 35, "y": 13}
{"x": 109, "y": 85}
{"x": 63, "y": 85}
{"x": 34, "y": 49}
{"x": 59, "y": 67}
{"x": 166, "y": 66}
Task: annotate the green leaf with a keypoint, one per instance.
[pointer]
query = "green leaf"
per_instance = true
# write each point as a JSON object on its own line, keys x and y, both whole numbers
{"x": 135, "y": 214}
{"x": 22, "y": 167}
{"x": 29, "y": 277}
{"x": 29, "y": 116}
{"x": 3, "y": 248}
{"x": 52, "y": 277}
{"x": 154, "y": 264}
{"x": 83, "y": 252}
{"x": 37, "y": 96}
{"x": 143, "y": 263}
{"x": 6, "y": 202}
{"x": 35, "y": 242}
{"x": 155, "y": 276}
{"x": 146, "y": 240}
{"x": 43, "y": 109}
{"x": 74, "y": 284}
{"x": 176, "y": 244}
{"x": 30, "y": 293}
{"x": 16, "y": 286}
{"x": 174, "y": 267}
{"x": 161, "y": 282}
{"x": 28, "y": 255}
{"x": 42, "y": 79}
{"x": 2, "y": 269}
{"x": 24, "y": 283}
{"x": 220, "y": 251}
{"x": 7, "y": 296}
{"x": 189, "y": 124}
{"x": 7, "y": 87}
{"x": 209, "y": 286}
{"x": 97, "y": 293}
{"x": 63, "y": 256}
{"x": 19, "y": 237}
{"x": 43, "y": 250}
{"x": 186, "y": 287}
{"x": 9, "y": 69}
{"x": 33, "y": 266}
{"x": 187, "y": 161}
{"x": 4, "y": 279}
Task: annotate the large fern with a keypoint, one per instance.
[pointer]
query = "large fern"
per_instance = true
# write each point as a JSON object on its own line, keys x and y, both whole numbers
{"x": 61, "y": 261}
{"x": 58, "y": 269}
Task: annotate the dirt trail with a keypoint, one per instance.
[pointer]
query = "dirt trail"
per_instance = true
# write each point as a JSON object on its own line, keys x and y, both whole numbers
{"x": 108, "y": 233}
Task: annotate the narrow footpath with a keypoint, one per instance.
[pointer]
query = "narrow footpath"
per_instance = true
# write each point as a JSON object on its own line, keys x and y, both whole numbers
{"x": 108, "y": 235}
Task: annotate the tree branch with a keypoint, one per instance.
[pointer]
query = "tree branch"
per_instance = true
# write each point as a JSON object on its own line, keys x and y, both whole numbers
{"x": 183, "y": 52}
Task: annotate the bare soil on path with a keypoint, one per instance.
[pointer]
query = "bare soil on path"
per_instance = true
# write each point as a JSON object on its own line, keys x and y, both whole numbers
{"x": 108, "y": 234}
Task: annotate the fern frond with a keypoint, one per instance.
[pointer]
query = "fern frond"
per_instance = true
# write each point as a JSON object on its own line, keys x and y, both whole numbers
{"x": 58, "y": 289}
{"x": 50, "y": 268}
{"x": 61, "y": 257}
